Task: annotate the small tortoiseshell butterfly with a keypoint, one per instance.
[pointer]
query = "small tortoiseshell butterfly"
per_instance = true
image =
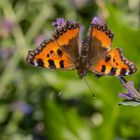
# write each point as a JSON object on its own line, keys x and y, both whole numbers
{"x": 64, "y": 51}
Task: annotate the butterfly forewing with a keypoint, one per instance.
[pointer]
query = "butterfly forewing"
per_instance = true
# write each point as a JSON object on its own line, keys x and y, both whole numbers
{"x": 60, "y": 52}
{"x": 102, "y": 35}
{"x": 101, "y": 40}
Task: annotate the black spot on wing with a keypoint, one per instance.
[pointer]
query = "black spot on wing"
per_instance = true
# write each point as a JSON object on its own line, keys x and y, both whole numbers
{"x": 59, "y": 52}
{"x": 40, "y": 63}
{"x": 61, "y": 63}
{"x": 123, "y": 71}
{"x": 51, "y": 52}
{"x": 103, "y": 68}
{"x": 107, "y": 58}
{"x": 113, "y": 71}
{"x": 51, "y": 64}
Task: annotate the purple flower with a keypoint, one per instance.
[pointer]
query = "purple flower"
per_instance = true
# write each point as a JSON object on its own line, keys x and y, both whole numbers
{"x": 132, "y": 97}
{"x": 22, "y": 106}
{"x": 7, "y": 52}
{"x": 59, "y": 23}
{"x": 71, "y": 21}
{"x": 130, "y": 88}
{"x": 132, "y": 92}
{"x": 6, "y": 27}
{"x": 97, "y": 20}
{"x": 125, "y": 96}
{"x": 7, "y": 24}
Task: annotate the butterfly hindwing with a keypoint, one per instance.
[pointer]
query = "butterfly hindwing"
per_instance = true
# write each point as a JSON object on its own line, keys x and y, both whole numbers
{"x": 60, "y": 52}
{"x": 114, "y": 64}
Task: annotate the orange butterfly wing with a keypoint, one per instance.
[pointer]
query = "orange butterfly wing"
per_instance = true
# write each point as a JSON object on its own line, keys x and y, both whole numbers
{"x": 102, "y": 35}
{"x": 57, "y": 53}
{"x": 114, "y": 64}
{"x": 103, "y": 60}
{"x": 101, "y": 40}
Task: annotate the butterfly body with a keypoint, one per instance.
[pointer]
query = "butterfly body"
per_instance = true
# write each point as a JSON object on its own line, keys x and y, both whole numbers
{"x": 64, "y": 51}
{"x": 82, "y": 66}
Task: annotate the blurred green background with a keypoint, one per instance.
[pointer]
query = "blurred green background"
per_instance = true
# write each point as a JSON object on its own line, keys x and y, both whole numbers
{"x": 30, "y": 108}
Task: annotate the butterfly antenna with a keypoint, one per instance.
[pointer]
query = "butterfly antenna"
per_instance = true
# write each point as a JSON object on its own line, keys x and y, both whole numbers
{"x": 89, "y": 87}
{"x": 71, "y": 80}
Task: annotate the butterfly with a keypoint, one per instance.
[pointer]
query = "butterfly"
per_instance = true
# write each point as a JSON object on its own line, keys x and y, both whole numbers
{"x": 64, "y": 51}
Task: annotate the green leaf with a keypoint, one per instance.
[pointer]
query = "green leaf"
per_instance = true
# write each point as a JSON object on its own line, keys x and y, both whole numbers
{"x": 130, "y": 103}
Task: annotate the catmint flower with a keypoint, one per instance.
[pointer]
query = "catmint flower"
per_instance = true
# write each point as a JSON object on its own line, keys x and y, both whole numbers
{"x": 130, "y": 92}
{"x": 59, "y": 23}
{"x": 22, "y": 106}
{"x": 6, "y": 27}
{"x": 97, "y": 20}
{"x": 132, "y": 97}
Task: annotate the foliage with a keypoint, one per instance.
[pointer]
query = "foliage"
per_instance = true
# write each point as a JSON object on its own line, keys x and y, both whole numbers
{"x": 30, "y": 107}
